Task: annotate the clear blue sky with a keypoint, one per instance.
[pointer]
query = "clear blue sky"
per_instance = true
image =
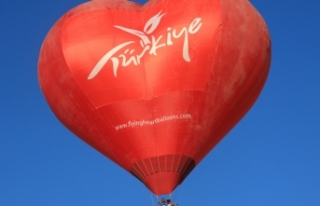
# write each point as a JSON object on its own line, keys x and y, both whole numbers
{"x": 272, "y": 157}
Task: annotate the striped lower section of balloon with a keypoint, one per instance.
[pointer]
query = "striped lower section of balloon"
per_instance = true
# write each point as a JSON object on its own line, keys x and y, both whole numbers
{"x": 163, "y": 173}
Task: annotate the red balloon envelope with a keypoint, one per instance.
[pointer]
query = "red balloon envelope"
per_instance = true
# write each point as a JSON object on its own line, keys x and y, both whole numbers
{"x": 155, "y": 87}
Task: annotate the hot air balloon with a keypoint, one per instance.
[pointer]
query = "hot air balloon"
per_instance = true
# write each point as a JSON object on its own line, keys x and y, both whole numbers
{"x": 155, "y": 87}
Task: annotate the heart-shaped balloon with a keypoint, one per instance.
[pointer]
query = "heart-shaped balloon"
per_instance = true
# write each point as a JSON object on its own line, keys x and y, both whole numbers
{"x": 155, "y": 87}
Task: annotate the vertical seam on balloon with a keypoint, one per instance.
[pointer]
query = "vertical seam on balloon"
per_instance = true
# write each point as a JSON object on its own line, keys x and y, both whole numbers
{"x": 152, "y": 172}
{"x": 144, "y": 175}
{"x": 158, "y": 162}
{"x": 183, "y": 165}
{"x": 165, "y": 163}
{"x": 144, "y": 164}
{"x": 173, "y": 157}
{"x": 141, "y": 176}
{"x": 177, "y": 167}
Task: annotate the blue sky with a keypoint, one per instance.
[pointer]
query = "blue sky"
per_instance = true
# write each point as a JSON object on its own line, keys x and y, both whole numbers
{"x": 272, "y": 157}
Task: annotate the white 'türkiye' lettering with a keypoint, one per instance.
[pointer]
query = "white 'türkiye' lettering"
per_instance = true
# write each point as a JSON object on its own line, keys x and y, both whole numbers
{"x": 150, "y": 46}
